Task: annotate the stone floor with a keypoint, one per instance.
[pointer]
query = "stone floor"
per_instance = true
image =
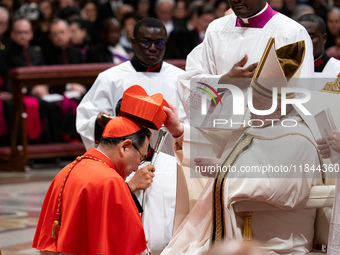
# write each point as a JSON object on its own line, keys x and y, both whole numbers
{"x": 21, "y": 198}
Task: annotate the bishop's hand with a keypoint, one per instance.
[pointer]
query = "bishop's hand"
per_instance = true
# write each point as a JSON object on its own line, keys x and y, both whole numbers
{"x": 334, "y": 141}
{"x": 172, "y": 123}
{"x": 205, "y": 165}
{"x": 323, "y": 148}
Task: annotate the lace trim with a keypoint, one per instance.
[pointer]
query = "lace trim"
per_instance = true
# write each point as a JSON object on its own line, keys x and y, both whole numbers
{"x": 334, "y": 236}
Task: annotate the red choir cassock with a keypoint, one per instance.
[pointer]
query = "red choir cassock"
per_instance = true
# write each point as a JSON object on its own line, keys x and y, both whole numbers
{"x": 96, "y": 214}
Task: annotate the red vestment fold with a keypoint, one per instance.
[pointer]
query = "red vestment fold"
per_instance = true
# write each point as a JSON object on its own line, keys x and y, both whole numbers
{"x": 98, "y": 215}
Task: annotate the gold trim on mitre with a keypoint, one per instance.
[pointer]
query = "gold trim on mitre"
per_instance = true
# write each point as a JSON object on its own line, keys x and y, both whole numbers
{"x": 332, "y": 86}
{"x": 276, "y": 67}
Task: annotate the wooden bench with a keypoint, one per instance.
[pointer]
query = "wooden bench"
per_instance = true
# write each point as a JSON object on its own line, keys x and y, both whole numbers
{"x": 15, "y": 156}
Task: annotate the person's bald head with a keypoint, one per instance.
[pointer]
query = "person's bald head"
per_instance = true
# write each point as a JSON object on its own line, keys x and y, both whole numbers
{"x": 22, "y": 32}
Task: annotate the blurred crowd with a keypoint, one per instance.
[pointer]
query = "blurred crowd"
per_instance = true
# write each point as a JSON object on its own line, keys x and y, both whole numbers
{"x": 50, "y": 32}
{"x": 56, "y": 32}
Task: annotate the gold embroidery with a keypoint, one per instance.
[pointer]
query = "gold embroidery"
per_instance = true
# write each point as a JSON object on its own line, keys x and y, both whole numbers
{"x": 243, "y": 145}
{"x": 247, "y": 232}
{"x": 332, "y": 86}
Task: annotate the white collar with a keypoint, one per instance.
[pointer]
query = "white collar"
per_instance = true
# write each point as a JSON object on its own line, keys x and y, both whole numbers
{"x": 102, "y": 153}
{"x": 113, "y": 49}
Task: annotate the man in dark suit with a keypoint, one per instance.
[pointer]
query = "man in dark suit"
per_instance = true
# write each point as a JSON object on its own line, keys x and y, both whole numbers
{"x": 4, "y": 22}
{"x": 190, "y": 35}
{"x": 109, "y": 50}
{"x": 19, "y": 52}
{"x": 4, "y": 39}
{"x": 60, "y": 52}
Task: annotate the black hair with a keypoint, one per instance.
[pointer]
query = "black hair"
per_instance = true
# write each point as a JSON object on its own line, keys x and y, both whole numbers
{"x": 83, "y": 25}
{"x": 68, "y": 13}
{"x": 148, "y": 22}
{"x": 80, "y": 23}
{"x": 88, "y": 2}
{"x": 205, "y": 9}
{"x": 129, "y": 15}
{"x": 107, "y": 22}
{"x": 57, "y": 20}
{"x": 218, "y": 2}
{"x": 118, "y": 105}
{"x": 137, "y": 138}
{"x": 314, "y": 19}
{"x": 194, "y": 8}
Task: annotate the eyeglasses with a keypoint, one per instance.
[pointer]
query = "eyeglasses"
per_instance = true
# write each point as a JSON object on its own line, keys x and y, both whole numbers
{"x": 24, "y": 32}
{"x": 147, "y": 42}
{"x": 144, "y": 158}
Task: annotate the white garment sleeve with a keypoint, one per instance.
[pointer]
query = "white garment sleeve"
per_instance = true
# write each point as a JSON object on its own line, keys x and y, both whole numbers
{"x": 97, "y": 99}
{"x": 200, "y": 63}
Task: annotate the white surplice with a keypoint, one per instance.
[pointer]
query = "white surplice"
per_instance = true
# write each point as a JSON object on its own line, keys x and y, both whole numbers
{"x": 159, "y": 208}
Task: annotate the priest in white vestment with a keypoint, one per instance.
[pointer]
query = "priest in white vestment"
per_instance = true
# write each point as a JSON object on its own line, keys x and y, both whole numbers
{"x": 268, "y": 163}
{"x": 233, "y": 44}
{"x": 232, "y": 47}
